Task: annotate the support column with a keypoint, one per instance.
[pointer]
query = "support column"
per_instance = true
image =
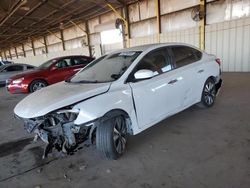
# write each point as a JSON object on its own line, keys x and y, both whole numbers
{"x": 10, "y": 54}
{"x": 88, "y": 38}
{"x": 127, "y": 18}
{"x": 45, "y": 44}
{"x": 123, "y": 19}
{"x": 33, "y": 48}
{"x": 24, "y": 54}
{"x": 5, "y": 56}
{"x": 16, "y": 52}
{"x": 62, "y": 38}
{"x": 202, "y": 24}
{"x": 158, "y": 16}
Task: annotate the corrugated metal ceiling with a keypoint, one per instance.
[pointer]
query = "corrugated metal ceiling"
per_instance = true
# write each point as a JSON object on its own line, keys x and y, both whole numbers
{"x": 22, "y": 19}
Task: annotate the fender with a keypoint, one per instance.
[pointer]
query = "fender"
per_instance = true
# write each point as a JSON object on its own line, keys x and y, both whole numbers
{"x": 118, "y": 97}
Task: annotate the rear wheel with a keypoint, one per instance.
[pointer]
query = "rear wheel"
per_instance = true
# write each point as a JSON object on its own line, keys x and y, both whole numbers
{"x": 208, "y": 94}
{"x": 37, "y": 84}
{"x": 111, "y": 137}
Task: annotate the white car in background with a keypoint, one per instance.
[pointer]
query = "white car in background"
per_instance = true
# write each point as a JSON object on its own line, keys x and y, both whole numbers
{"x": 120, "y": 94}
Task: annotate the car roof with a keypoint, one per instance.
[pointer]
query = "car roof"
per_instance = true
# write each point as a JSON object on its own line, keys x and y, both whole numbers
{"x": 152, "y": 46}
{"x": 69, "y": 56}
{"x": 13, "y": 64}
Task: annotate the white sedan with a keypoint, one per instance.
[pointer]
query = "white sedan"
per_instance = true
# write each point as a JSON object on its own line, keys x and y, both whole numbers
{"x": 121, "y": 94}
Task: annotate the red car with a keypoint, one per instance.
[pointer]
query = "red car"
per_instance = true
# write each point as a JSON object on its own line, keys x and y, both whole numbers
{"x": 50, "y": 72}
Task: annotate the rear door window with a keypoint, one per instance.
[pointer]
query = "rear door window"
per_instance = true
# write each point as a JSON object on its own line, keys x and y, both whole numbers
{"x": 184, "y": 55}
{"x": 63, "y": 63}
{"x": 14, "y": 68}
{"x": 79, "y": 61}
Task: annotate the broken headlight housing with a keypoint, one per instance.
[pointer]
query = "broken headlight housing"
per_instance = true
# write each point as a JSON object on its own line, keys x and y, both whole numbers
{"x": 57, "y": 130}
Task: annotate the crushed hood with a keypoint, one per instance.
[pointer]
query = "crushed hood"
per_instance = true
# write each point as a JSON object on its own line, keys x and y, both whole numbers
{"x": 57, "y": 96}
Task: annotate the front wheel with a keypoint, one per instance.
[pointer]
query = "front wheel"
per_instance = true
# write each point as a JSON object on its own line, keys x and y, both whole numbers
{"x": 37, "y": 85}
{"x": 111, "y": 137}
{"x": 208, "y": 94}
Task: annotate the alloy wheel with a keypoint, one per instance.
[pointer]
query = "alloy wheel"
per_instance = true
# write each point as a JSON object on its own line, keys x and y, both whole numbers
{"x": 209, "y": 93}
{"x": 38, "y": 86}
{"x": 120, "y": 134}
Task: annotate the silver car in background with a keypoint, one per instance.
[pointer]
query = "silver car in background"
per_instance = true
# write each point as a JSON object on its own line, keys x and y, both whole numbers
{"x": 9, "y": 70}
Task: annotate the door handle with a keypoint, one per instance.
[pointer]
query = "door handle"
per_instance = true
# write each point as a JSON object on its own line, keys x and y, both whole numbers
{"x": 201, "y": 71}
{"x": 172, "y": 81}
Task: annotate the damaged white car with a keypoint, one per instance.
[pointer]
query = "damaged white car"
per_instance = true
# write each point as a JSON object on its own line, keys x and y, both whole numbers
{"x": 121, "y": 94}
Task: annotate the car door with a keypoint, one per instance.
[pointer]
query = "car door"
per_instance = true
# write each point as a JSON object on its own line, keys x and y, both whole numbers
{"x": 59, "y": 70}
{"x": 157, "y": 97}
{"x": 188, "y": 67}
{"x": 10, "y": 71}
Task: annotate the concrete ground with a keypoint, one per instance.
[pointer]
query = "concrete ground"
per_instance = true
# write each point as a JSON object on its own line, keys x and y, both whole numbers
{"x": 197, "y": 148}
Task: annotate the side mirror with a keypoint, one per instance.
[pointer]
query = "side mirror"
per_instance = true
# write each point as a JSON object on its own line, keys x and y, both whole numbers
{"x": 144, "y": 74}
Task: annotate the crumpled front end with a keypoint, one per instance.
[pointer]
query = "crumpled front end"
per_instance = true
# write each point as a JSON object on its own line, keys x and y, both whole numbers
{"x": 58, "y": 131}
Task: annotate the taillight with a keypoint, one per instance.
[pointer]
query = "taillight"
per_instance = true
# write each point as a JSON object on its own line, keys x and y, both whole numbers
{"x": 218, "y": 61}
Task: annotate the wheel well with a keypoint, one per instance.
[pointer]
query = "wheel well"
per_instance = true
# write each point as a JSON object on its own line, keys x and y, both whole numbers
{"x": 37, "y": 80}
{"x": 213, "y": 78}
{"x": 116, "y": 112}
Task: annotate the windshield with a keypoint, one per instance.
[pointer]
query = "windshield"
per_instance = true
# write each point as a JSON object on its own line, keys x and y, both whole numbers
{"x": 47, "y": 64}
{"x": 106, "y": 68}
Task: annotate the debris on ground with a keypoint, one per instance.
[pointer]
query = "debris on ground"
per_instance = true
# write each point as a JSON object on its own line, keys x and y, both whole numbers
{"x": 39, "y": 170}
{"x": 71, "y": 166}
{"x": 164, "y": 150}
{"x": 66, "y": 177}
{"x": 83, "y": 167}
{"x": 108, "y": 170}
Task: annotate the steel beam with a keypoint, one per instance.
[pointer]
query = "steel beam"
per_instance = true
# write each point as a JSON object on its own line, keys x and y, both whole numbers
{"x": 54, "y": 34}
{"x": 88, "y": 38}
{"x": 62, "y": 39}
{"x": 83, "y": 30}
{"x": 24, "y": 53}
{"x": 202, "y": 24}
{"x": 10, "y": 54}
{"x": 124, "y": 20}
{"x": 16, "y": 52}
{"x": 45, "y": 44}
{"x": 5, "y": 56}
{"x": 126, "y": 12}
{"x": 33, "y": 48}
{"x": 158, "y": 18}
{"x": 48, "y": 15}
{"x": 18, "y": 5}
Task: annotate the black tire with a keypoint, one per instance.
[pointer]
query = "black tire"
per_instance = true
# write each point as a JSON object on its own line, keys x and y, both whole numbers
{"x": 36, "y": 85}
{"x": 111, "y": 137}
{"x": 208, "y": 94}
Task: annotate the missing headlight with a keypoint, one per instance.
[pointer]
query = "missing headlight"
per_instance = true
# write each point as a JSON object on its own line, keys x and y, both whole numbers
{"x": 57, "y": 130}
